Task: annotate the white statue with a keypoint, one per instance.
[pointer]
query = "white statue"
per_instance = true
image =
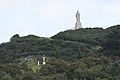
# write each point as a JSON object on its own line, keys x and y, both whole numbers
{"x": 78, "y": 16}
{"x": 78, "y": 23}
{"x": 38, "y": 63}
{"x": 44, "y": 60}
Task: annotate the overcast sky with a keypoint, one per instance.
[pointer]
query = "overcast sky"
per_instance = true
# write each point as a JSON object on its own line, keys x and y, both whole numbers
{"x": 47, "y": 17}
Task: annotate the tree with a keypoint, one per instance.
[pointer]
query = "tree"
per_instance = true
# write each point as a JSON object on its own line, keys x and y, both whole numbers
{"x": 14, "y": 37}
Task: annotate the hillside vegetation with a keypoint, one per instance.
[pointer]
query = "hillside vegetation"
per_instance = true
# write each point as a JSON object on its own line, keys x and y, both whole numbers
{"x": 82, "y": 54}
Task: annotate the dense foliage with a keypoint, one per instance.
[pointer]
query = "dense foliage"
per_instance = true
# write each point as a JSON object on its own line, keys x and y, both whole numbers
{"x": 112, "y": 43}
{"x": 83, "y": 54}
{"x": 93, "y": 36}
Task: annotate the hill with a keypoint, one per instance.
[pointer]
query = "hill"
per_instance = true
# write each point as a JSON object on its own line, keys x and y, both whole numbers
{"x": 82, "y": 54}
{"x": 37, "y": 46}
{"x": 93, "y": 36}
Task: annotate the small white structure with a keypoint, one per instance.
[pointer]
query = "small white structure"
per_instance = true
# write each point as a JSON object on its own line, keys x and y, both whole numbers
{"x": 44, "y": 60}
{"x": 38, "y": 63}
{"x": 78, "y": 24}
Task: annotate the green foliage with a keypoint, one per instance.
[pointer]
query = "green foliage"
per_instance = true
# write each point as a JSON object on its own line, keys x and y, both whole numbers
{"x": 70, "y": 55}
{"x": 31, "y": 45}
{"x": 32, "y": 65}
{"x": 93, "y": 36}
{"x": 112, "y": 43}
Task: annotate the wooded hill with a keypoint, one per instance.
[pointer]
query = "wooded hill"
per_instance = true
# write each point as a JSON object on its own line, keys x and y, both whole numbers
{"x": 89, "y": 53}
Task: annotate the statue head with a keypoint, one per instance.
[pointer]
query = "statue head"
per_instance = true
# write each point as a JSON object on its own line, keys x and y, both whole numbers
{"x": 77, "y": 14}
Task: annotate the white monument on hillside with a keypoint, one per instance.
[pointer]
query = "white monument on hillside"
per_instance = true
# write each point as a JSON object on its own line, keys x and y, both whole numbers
{"x": 44, "y": 60}
{"x": 78, "y": 24}
{"x": 38, "y": 63}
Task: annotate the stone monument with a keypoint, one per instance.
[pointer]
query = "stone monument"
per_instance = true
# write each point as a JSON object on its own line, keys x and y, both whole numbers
{"x": 78, "y": 24}
{"x": 38, "y": 63}
{"x": 44, "y": 60}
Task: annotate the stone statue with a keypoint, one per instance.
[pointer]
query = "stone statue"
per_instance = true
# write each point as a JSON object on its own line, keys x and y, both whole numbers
{"x": 44, "y": 60}
{"x": 78, "y": 23}
{"x": 38, "y": 63}
{"x": 78, "y": 16}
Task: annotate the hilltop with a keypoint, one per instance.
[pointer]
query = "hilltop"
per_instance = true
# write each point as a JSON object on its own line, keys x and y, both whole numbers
{"x": 85, "y": 53}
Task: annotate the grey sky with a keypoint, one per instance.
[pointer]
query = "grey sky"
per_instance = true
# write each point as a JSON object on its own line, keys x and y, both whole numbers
{"x": 47, "y": 17}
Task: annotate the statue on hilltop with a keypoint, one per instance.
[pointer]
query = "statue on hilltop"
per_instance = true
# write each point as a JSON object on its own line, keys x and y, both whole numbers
{"x": 78, "y": 24}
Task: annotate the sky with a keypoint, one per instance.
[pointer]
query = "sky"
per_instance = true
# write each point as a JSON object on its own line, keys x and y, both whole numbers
{"x": 46, "y": 18}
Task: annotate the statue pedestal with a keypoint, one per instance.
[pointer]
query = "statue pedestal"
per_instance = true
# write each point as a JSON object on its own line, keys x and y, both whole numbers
{"x": 78, "y": 25}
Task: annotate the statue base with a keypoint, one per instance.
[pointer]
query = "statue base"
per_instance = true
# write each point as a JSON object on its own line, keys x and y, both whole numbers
{"x": 78, "y": 25}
